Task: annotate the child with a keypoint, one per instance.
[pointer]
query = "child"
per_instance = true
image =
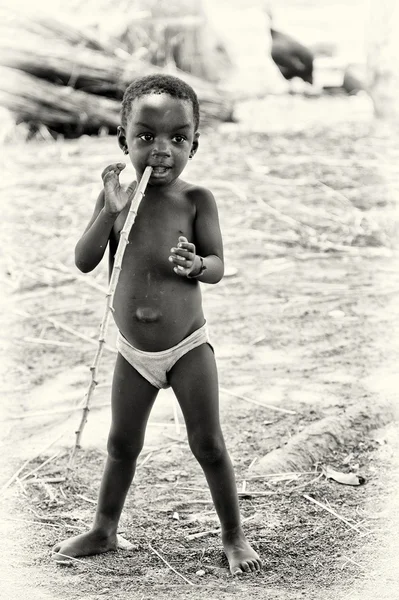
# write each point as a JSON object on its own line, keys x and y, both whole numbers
{"x": 174, "y": 243}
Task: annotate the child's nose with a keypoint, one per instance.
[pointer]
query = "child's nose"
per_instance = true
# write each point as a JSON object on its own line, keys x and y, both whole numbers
{"x": 161, "y": 148}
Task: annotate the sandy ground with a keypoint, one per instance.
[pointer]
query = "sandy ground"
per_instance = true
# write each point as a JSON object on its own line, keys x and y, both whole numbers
{"x": 295, "y": 327}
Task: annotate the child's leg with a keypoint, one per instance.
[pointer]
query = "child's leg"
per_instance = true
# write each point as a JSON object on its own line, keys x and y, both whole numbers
{"x": 195, "y": 383}
{"x": 132, "y": 400}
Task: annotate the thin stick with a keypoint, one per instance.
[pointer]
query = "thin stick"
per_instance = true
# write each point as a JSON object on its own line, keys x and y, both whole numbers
{"x": 255, "y": 494}
{"x": 16, "y": 474}
{"x": 330, "y": 510}
{"x": 169, "y": 565}
{"x": 277, "y": 408}
{"x": 123, "y": 241}
{"x": 89, "y": 280}
{"x": 32, "y": 340}
{"x": 33, "y": 481}
{"x": 40, "y": 466}
{"x": 253, "y": 461}
{"x": 200, "y": 534}
{"x": 30, "y": 521}
{"x": 146, "y": 459}
{"x": 49, "y": 413}
{"x": 353, "y": 562}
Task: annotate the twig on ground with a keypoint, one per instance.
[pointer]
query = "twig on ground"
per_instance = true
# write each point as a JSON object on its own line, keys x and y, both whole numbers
{"x": 170, "y": 437}
{"x": 253, "y": 461}
{"x": 32, "y": 340}
{"x": 49, "y": 413}
{"x": 138, "y": 195}
{"x": 188, "y": 489}
{"x": 48, "y": 460}
{"x": 169, "y": 565}
{"x": 146, "y": 459}
{"x": 200, "y": 534}
{"x": 16, "y": 474}
{"x": 332, "y": 192}
{"x": 87, "y": 499}
{"x": 46, "y": 480}
{"x": 333, "y": 512}
{"x": 69, "y": 308}
{"x": 353, "y": 562}
{"x": 48, "y": 490}
{"x": 88, "y": 279}
{"x": 287, "y": 219}
{"x": 301, "y": 485}
{"x": 257, "y": 340}
{"x": 77, "y": 334}
{"x": 251, "y": 401}
{"x": 21, "y": 485}
{"x": 210, "y": 501}
{"x": 30, "y": 521}
{"x": 287, "y": 475}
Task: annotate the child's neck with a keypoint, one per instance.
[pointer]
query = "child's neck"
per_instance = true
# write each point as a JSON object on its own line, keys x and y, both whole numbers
{"x": 174, "y": 186}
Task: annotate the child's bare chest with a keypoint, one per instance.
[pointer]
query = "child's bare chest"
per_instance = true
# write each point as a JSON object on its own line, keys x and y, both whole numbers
{"x": 156, "y": 230}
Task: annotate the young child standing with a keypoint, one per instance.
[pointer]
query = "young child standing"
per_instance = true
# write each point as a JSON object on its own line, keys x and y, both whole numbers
{"x": 175, "y": 242}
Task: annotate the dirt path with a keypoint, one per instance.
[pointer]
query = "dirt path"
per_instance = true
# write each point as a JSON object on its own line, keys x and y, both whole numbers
{"x": 294, "y": 327}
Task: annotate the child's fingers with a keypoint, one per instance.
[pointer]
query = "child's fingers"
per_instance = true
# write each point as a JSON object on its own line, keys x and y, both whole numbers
{"x": 181, "y": 260}
{"x": 183, "y": 253}
{"x": 181, "y": 270}
{"x": 186, "y": 245}
{"x": 114, "y": 169}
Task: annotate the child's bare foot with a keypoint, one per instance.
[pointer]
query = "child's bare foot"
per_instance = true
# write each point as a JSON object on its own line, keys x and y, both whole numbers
{"x": 85, "y": 544}
{"x": 242, "y": 558}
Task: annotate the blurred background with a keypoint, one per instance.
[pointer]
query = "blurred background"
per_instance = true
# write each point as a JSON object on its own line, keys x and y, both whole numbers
{"x": 64, "y": 67}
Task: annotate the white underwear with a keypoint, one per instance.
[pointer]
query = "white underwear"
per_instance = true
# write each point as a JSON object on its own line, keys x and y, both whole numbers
{"x": 154, "y": 366}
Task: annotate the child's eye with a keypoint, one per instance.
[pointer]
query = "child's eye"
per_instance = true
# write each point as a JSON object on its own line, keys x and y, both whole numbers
{"x": 179, "y": 139}
{"x": 146, "y": 137}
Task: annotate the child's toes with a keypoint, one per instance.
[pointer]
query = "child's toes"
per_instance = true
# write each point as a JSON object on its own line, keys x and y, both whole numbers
{"x": 254, "y": 566}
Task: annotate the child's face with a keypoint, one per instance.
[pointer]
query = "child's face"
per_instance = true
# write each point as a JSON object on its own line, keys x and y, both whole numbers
{"x": 160, "y": 133}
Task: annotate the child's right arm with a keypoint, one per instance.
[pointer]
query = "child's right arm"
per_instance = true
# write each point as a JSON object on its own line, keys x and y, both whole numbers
{"x": 112, "y": 199}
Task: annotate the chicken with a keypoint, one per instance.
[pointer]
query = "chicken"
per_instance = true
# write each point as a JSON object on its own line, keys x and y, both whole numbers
{"x": 292, "y": 58}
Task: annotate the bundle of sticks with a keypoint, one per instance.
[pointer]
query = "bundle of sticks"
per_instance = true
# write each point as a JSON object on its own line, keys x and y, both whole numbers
{"x": 73, "y": 87}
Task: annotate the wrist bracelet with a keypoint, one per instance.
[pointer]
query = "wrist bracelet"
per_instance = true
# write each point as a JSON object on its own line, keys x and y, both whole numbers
{"x": 202, "y": 269}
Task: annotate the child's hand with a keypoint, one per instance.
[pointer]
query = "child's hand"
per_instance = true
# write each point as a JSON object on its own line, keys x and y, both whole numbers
{"x": 183, "y": 257}
{"x": 115, "y": 197}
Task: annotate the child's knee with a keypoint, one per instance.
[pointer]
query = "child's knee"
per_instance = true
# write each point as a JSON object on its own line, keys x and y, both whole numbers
{"x": 208, "y": 448}
{"x": 121, "y": 449}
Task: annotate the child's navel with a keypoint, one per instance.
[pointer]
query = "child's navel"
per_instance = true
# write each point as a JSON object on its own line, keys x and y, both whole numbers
{"x": 147, "y": 315}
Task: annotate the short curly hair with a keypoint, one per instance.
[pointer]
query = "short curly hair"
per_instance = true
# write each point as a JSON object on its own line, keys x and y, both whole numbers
{"x": 159, "y": 84}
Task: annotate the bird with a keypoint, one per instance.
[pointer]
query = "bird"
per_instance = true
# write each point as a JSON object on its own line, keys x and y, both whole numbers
{"x": 291, "y": 57}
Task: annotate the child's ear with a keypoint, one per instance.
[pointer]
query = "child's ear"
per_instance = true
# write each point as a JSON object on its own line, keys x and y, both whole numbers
{"x": 122, "y": 138}
{"x": 195, "y": 144}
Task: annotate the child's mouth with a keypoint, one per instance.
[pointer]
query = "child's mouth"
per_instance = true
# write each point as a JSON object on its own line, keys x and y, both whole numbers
{"x": 160, "y": 171}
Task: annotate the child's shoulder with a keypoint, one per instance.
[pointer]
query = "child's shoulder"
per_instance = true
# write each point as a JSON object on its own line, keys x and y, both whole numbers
{"x": 198, "y": 193}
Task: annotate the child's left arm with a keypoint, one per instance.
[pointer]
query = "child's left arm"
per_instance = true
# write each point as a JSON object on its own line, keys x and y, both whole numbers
{"x": 204, "y": 259}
